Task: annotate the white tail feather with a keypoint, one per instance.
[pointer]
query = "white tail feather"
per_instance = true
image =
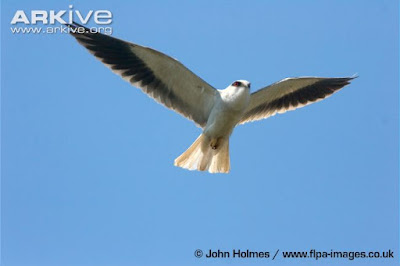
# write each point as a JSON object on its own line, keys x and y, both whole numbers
{"x": 200, "y": 156}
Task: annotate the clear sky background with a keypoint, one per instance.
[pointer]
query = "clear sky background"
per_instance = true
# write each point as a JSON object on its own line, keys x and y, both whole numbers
{"x": 87, "y": 159}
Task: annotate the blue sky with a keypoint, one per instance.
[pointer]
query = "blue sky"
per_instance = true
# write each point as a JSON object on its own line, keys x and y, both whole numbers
{"x": 87, "y": 159}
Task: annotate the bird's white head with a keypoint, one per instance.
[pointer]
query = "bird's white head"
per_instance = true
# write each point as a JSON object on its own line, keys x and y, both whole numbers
{"x": 241, "y": 84}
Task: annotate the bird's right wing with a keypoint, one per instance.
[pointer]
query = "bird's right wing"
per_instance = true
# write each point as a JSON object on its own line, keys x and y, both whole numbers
{"x": 290, "y": 94}
{"x": 163, "y": 78}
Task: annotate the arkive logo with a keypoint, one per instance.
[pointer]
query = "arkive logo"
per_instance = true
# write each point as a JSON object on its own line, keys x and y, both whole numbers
{"x": 51, "y": 17}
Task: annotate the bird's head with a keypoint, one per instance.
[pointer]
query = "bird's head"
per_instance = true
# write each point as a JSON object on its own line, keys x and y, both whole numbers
{"x": 241, "y": 84}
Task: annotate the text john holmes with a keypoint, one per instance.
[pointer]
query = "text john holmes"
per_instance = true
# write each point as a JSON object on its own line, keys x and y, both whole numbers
{"x": 237, "y": 253}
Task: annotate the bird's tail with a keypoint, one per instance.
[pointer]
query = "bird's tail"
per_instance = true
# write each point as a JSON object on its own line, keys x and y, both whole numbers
{"x": 201, "y": 156}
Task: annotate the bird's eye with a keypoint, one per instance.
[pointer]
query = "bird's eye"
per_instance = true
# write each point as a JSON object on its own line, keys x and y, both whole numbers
{"x": 249, "y": 85}
{"x": 236, "y": 84}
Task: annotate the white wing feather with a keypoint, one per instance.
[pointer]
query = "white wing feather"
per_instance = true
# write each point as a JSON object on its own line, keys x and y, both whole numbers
{"x": 163, "y": 78}
{"x": 289, "y": 94}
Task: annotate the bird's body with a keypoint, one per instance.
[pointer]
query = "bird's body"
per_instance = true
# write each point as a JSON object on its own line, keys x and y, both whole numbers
{"x": 227, "y": 111}
{"x": 217, "y": 112}
{"x": 210, "y": 152}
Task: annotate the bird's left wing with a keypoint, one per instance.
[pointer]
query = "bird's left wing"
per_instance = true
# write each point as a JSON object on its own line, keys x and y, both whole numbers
{"x": 290, "y": 94}
{"x": 163, "y": 78}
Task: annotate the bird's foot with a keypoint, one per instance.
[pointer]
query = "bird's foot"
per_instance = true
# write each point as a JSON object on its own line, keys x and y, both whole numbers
{"x": 215, "y": 143}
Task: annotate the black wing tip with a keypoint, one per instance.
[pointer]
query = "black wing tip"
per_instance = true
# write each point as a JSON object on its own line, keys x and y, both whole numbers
{"x": 353, "y": 77}
{"x": 347, "y": 80}
{"x": 338, "y": 82}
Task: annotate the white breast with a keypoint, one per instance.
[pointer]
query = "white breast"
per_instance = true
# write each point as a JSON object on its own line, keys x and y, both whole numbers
{"x": 227, "y": 112}
{"x": 236, "y": 98}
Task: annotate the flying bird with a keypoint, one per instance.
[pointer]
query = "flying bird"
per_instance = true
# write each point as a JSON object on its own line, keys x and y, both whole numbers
{"x": 216, "y": 112}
